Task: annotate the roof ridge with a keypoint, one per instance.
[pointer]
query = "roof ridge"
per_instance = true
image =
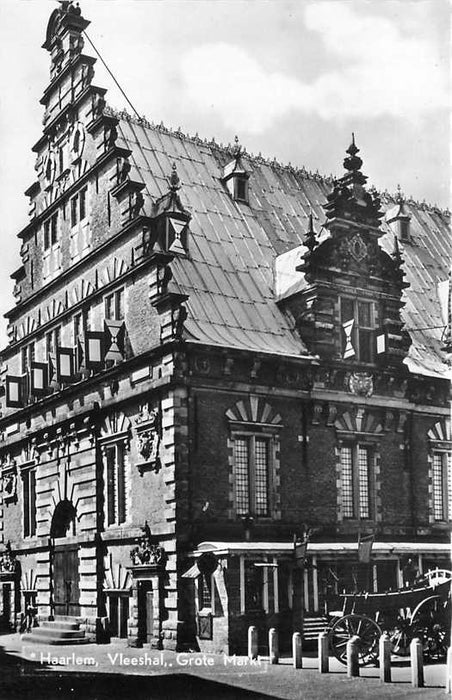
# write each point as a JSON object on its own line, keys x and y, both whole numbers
{"x": 388, "y": 197}
{"x": 212, "y": 143}
{"x": 259, "y": 158}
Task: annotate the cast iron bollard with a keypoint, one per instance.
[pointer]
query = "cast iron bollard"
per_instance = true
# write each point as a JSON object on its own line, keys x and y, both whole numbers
{"x": 273, "y": 645}
{"x": 324, "y": 660}
{"x": 352, "y": 657}
{"x": 252, "y": 642}
{"x": 417, "y": 663}
{"x": 297, "y": 650}
{"x": 384, "y": 657}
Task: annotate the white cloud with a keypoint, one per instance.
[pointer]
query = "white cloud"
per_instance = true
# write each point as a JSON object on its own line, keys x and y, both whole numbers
{"x": 226, "y": 79}
{"x": 381, "y": 72}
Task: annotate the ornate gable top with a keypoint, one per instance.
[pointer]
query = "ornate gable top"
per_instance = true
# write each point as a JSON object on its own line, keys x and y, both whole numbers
{"x": 68, "y": 15}
{"x": 349, "y": 198}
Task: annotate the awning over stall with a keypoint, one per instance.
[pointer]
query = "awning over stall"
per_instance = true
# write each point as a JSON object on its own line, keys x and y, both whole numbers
{"x": 320, "y": 548}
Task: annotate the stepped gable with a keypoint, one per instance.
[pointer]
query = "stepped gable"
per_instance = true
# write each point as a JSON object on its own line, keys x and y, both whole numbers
{"x": 229, "y": 272}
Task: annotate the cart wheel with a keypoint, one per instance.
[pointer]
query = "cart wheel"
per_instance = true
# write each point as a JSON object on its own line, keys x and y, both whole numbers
{"x": 402, "y": 634}
{"x": 365, "y": 628}
{"x": 431, "y": 623}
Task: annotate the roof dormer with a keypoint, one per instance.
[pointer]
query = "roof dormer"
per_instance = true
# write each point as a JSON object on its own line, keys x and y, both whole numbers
{"x": 235, "y": 176}
{"x": 399, "y": 219}
{"x": 171, "y": 218}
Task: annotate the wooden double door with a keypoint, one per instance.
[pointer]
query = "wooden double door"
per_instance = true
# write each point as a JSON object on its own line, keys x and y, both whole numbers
{"x": 66, "y": 580}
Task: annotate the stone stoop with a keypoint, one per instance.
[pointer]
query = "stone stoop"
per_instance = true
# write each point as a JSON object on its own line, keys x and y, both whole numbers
{"x": 66, "y": 631}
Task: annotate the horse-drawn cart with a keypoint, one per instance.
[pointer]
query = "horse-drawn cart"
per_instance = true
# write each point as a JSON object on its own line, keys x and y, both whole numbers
{"x": 422, "y": 611}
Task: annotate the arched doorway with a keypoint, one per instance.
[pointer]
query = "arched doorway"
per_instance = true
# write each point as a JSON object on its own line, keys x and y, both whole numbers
{"x": 65, "y": 561}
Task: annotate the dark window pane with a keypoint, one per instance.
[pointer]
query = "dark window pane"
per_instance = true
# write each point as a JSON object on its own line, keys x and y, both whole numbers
{"x": 82, "y": 198}
{"x": 241, "y": 457}
{"x": 364, "y": 315}
{"x": 120, "y": 305}
{"x": 109, "y": 306}
{"x": 348, "y": 509}
{"x": 54, "y": 228}
{"x": 32, "y": 502}
{"x": 73, "y": 211}
{"x": 121, "y": 490}
{"x": 110, "y": 455}
{"x": 46, "y": 235}
{"x": 366, "y": 341}
{"x": 261, "y": 476}
{"x": 347, "y": 312}
{"x": 253, "y": 587}
{"x": 363, "y": 478}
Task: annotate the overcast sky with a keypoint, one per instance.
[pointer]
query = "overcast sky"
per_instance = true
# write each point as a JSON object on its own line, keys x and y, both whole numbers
{"x": 292, "y": 78}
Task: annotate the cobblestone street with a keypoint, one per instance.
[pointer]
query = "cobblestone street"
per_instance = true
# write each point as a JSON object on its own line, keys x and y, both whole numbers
{"x": 96, "y": 672}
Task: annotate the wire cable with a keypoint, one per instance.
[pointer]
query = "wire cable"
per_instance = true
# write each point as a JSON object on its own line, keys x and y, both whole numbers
{"x": 110, "y": 72}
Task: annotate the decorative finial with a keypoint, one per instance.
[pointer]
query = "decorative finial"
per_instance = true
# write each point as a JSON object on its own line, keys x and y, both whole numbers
{"x": 237, "y": 148}
{"x": 310, "y": 240}
{"x": 173, "y": 180}
{"x": 399, "y": 197}
{"x": 354, "y": 162}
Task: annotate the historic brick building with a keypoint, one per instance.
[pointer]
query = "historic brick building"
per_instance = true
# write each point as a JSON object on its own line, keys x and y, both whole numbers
{"x": 210, "y": 353}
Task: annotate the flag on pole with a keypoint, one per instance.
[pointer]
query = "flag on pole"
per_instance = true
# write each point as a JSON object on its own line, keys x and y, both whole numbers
{"x": 365, "y": 548}
{"x": 300, "y": 549}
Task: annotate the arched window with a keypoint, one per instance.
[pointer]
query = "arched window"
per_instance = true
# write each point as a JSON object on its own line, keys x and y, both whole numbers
{"x": 254, "y": 458}
{"x": 115, "y": 444}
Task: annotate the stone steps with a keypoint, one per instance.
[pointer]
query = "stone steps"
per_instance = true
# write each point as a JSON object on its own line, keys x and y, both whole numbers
{"x": 57, "y": 632}
{"x": 313, "y": 626}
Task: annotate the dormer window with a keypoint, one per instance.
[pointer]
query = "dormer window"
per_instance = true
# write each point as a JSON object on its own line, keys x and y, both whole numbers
{"x": 235, "y": 177}
{"x": 357, "y": 329}
{"x": 404, "y": 226}
{"x": 239, "y": 188}
{"x": 399, "y": 219}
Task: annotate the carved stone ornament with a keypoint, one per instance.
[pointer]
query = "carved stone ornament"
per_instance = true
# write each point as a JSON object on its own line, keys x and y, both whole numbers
{"x": 358, "y": 248}
{"x": 148, "y": 552}
{"x": 8, "y": 561}
{"x": 360, "y": 383}
{"x": 9, "y": 481}
{"x": 148, "y": 438}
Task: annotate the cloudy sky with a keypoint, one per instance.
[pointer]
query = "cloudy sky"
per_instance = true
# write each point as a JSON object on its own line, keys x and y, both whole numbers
{"x": 292, "y": 78}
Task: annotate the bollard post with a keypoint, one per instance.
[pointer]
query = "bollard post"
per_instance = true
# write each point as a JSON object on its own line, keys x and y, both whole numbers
{"x": 324, "y": 660}
{"x": 449, "y": 671}
{"x": 417, "y": 663}
{"x": 252, "y": 642}
{"x": 297, "y": 650}
{"x": 384, "y": 657}
{"x": 352, "y": 657}
{"x": 273, "y": 645}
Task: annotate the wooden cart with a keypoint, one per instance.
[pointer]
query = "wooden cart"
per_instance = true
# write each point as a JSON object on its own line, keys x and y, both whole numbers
{"x": 422, "y": 611}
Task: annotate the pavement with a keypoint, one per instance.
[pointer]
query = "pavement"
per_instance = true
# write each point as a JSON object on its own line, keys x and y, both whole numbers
{"x": 110, "y": 671}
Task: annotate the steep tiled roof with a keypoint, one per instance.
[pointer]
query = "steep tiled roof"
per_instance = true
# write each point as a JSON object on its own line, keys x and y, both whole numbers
{"x": 229, "y": 275}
